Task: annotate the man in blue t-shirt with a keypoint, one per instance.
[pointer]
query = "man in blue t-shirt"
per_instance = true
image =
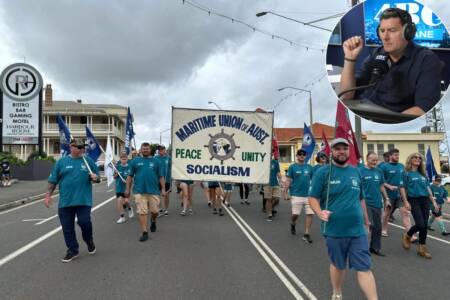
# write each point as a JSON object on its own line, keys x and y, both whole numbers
{"x": 73, "y": 175}
{"x": 298, "y": 182}
{"x": 149, "y": 183}
{"x": 272, "y": 190}
{"x": 393, "y": 172}
{"x": 336, "y": 196}
{"x": 440, "y": 194}
{"x": 120, "y": 175}
{"x": 166, "y": 164}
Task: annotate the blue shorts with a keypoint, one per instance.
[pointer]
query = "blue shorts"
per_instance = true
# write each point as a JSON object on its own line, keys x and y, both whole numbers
{"x": 354, "y": 250}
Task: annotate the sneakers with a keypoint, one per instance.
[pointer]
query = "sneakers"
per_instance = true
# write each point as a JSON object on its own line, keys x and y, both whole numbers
{"x": 91, "y": 248}
{"x": 69, "y": 257}
{"x": 445, "y": 233}
{"x": 190, "y": 211}
{"x": 384, "y": 233}
{"x": 153, "y": 226}
{"x": 269, "y": 219}
{"x": 166, "y": 213}
{"x": 215, "y": 211}
{"x": 247, "y": 202}
{"x": 228, "y": 204}
{"x": 429, "y": 228}
{"x": 121, "y": 220}
{"x": 130, "y": 213}
{"x": 406, "y": 241}
{"x": 220, "y": 212}
{"x": 307, "y": 238}
{"x": 209, "y": 203}
{"x": 293, "y": 229}
{"x": 242, "y": 202}
{"x": 336, "y": 297}
{"x": 183, "y": 213}
{"x": 143, "y": 237}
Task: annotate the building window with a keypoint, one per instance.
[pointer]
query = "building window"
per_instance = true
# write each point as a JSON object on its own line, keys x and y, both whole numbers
{"x": 380, "y": 150}
{"x": 391, "y": 146}
{"x": 83, "y": 120}
{"x": 370, "y": 148}
{"x": 421, "y": 148}
{"x": 285, "y": 154}
{"x": 56, "y": 148}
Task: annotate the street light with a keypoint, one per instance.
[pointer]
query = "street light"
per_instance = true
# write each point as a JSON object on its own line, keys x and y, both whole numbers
{"x": 160, "y": 134}
{"x": 263, "y": 13}
{"x": 310, "y": 100}
{"x": 215, "y": 104}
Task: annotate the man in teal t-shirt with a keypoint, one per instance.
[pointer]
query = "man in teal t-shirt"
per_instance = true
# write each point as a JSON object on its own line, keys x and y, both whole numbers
{"x": 72, "y": 175}
{"x": 299, "y": 177}
{"x": 148, "y": 177}
{"x": 120, "y": 175}
{"x": 441, "y": 195}
{"x": 272, "y": 190}
{"x": 166, "y": 164}
{"x": 374, "y": 192}
{"x": 343, "y": 212}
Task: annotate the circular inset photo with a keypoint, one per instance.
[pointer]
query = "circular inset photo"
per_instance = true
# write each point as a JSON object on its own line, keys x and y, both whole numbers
{"x": 389, "y": 62}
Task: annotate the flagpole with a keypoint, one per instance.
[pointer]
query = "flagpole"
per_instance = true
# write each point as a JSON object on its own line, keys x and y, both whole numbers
{"x": 113, "y": 166}
{"x": 84, "y": 159}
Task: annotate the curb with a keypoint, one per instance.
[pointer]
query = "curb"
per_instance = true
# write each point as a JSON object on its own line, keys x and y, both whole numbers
{"x": 23, "y": 201}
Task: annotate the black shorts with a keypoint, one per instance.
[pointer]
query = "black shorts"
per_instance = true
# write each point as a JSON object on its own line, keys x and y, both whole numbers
{"x": 118, "y": 195}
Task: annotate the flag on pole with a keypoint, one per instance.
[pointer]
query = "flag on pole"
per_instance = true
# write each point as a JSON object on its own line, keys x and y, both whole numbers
{"x": 109, "y": 171}
{"x": 64, "y": 136}
{"x": 429, "y": 165}
{"x": 344, "y": 130}
{"x": 93, "y": 149}
{"x": 309, "y": 142}
{"x": 324, "y": 146}
{"x": 275, "y": 148}
{"x": 129, "y": 132}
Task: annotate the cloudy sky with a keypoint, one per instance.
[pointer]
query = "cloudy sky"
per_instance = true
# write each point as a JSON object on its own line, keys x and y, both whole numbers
{"x": 154, "y": 54}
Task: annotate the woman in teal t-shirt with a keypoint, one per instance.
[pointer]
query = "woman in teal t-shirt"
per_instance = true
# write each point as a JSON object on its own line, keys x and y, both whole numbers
{"x": 416, "y": 193}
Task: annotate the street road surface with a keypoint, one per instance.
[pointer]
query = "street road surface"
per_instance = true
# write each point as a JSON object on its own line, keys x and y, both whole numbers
{"x": 203, "y": 256}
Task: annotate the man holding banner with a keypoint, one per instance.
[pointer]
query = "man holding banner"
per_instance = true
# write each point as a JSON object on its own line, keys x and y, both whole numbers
{"x": 148, "y": 176}
{"x": 336, "y": 196}
{"x": 75, "y": 175}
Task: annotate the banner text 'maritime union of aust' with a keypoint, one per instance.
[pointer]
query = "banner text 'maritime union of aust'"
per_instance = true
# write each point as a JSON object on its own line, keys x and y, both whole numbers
{"x": 227, "y": 146}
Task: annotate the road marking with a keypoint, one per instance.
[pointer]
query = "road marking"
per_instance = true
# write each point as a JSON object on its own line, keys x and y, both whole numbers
{"x": 39, "y": 240}
{"x": 46, "y": 220}
{"x": 428, "y": 236}
{"x": 271, "y": 264}
{"x": 110, "y": 190}
{"x": 31, "y": 220}
{"x": 291, "y": 274}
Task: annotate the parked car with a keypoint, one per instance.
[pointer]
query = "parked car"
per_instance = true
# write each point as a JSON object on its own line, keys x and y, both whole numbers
{"x": 446, "y": 181}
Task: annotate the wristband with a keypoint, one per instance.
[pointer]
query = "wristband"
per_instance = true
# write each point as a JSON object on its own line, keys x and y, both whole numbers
{"x": 348, "y": 59}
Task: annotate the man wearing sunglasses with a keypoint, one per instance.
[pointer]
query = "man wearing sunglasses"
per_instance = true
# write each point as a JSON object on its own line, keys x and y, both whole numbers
{"x": 75, "y": 196}
{"x": 406, "y": 76}
{"x": 299, "y": 177}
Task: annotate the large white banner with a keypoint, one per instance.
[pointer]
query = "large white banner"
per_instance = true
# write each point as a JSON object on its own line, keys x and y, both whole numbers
{"x": 227, "y": 146}
{"x": 20, "y": 85}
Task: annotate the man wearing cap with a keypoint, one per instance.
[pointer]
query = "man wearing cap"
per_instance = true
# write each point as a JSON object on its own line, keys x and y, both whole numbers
{"x": 299, "y": 176}
{"x": 321, "y": 160}
{"x": 148, "y": 177}
{"x": 336, "y": 196}
{"x": 166, "y": 163}
{"x": 75, "y": 196}
{"x": 440, "y": 195}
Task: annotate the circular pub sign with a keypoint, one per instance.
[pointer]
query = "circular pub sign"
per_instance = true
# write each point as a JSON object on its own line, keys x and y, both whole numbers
{"x": 20, "y": 82}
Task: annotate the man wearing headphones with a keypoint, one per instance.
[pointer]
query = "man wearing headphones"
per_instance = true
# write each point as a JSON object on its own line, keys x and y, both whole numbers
{"x": 411, "y": 83}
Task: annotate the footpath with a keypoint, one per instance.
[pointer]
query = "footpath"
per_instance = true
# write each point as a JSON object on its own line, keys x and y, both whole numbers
{"x": 21, "y": 192}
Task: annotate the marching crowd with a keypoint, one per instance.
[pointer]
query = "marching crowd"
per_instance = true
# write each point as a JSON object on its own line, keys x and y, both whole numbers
{"x": 354, "y": 204}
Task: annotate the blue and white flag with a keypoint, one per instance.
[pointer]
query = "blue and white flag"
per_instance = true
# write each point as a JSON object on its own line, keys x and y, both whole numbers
{"x": 429, "y": 165}
{"x": 93, "y": 149}
{"x": 129, "y": 132}
{"x": 309, "y": 143}
{"x": 64, "y": 136}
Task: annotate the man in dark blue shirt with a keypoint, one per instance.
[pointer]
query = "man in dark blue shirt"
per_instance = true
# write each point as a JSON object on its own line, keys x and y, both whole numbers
{"x": 411, "y": 84}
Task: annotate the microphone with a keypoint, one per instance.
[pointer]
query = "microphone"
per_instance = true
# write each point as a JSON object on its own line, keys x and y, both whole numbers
{"x": 379, "y": 67}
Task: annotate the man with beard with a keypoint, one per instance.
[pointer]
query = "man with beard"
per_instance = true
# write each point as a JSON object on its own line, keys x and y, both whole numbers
{"x": 336, "y": 196}
{"x": 149, "y": 183}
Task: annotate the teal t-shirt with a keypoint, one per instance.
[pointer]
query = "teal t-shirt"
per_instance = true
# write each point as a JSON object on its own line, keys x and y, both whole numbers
{"x": 439, "y": 192}
{"x": 146, "y": 172}
{"x": 346, "y": 219}
{"x": 166, "y": 164}
{"x": 393, "y": 175}
{"x": 75, "y": 185}
{"x": 372, "y": 179}
{"x": 317, "y": 167}
{"x": 416, "y": 184}
{"x": 300, "y": 175}
{"x": 274, "y": 170}
{"x": 123, "y": 171}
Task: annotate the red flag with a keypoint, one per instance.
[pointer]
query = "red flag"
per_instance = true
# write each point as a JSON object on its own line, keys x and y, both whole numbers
{"x": 325, "y": 146}
{"x": 344, "y": 130}
{"x": 275, "y": 148}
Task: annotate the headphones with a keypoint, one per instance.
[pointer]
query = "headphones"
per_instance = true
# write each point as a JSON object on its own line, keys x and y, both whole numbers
{"x": 409, "y": 28}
